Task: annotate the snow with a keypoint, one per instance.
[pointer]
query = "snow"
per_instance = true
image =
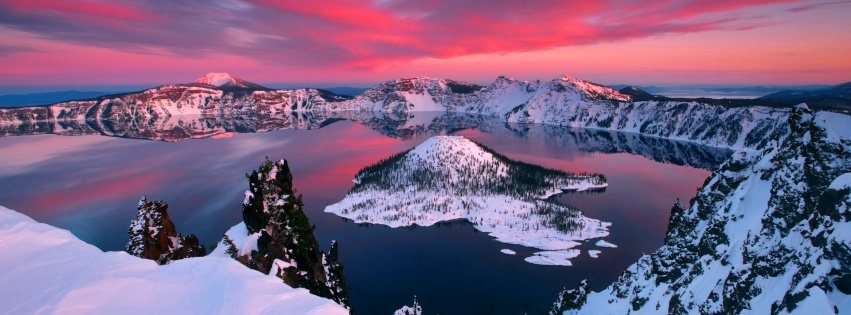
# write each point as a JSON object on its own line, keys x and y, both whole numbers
{"x": 243, "y": 241}
{"x": 594, "y": 253}
{"x": 248, "y": 195}
{"x": 816, "y": 302}
{"x": 602, "y": 243}
{"x": 507, "y": 251}
{"x": 49, "y": 270}
{"x": 841, "y": 182}
{"x": 553, "y": 258}
{"x": 215, "y": 79}
{"x": 837, "y": 126}
{"x": 416, "y": 309}
{"x": 422, "y": 102}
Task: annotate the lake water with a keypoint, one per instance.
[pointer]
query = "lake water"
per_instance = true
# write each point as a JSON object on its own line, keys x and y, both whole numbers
{"x": 90, "y": 185}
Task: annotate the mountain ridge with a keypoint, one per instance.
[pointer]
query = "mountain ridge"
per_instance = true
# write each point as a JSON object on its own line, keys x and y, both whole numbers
{"x": 564, "y": 101}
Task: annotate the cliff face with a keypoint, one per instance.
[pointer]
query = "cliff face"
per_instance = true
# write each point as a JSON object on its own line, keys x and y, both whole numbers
{"x": 276, "y": 237}
{"x": 767, "y": 233}
{"x": 153, "y": 236}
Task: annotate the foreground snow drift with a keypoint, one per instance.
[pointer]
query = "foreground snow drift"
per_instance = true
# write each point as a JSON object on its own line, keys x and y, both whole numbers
{"x": 49, "y": 270}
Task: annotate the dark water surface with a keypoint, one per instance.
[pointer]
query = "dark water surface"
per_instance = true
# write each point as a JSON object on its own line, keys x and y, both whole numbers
{"x": 91, "y": 184}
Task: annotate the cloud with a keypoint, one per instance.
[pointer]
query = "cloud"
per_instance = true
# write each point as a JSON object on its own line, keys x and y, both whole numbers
{"x": 4, "y": 50}
{"x": 363, "y": 34}
{"x": 814, "y": 6}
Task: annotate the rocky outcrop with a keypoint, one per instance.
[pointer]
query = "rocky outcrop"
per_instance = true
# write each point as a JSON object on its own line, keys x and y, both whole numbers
{"x": 276, "y": 237}
{"x": 153, "y": 235}
{"x": 414, "y": 309}
{"x": 766, "y": 234}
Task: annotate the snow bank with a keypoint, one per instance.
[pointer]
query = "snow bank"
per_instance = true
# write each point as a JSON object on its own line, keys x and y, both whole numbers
{"x": 553, "y": 258}
{"x": 47, "y": 270}
{"x": 843, "y": 181}
{"x": 602, "y": 243}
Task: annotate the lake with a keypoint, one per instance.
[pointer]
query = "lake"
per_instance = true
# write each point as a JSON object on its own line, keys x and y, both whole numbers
{"x": 90, "y": 184}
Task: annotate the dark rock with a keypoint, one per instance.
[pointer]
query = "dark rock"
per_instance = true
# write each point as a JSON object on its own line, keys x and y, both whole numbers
{"x": 286, "y": 244}
{"x": 153, "y": 235}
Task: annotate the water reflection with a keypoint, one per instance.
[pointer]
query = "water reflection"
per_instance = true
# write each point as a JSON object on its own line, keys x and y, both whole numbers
{"x": 407, "y": 126}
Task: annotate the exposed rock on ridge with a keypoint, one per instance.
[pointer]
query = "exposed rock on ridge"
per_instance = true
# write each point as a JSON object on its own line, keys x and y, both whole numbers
{"x": 276, "y": 237}
{"x": 153, "y": 235}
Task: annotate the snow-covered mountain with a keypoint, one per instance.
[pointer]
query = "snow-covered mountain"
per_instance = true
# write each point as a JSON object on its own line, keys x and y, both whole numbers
{"x": 225, "y": 81}
{"x": 213, "y": 95}
{"x": 571, "y": 102}
{"x": 48, "y": 270}
{"x": 564, "y": 101}
{"x": 768, "y": 233}
{"x": 505, "y": 94}
{"x": 449, "y": 178}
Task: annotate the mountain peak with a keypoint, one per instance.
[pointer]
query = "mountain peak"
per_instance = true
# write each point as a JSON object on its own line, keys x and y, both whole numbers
{"x": 223, "y": 80}
{"x": 592, "y": 90}
{"x": 216, "y": 79}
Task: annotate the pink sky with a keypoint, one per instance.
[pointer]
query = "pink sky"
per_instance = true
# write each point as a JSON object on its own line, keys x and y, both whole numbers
{"x": 360, "y": 43}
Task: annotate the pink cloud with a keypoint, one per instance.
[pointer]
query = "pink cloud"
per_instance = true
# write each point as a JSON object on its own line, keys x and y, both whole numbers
{"x": 359, "y": 33}
{"x": 357, "y": 39}
{"x": 91, "y": 10}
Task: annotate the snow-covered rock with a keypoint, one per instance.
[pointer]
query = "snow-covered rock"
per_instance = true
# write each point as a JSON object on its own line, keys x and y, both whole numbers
{"x": 49, "y": 270}
{"x": 276, "y": 237}
{"x": 153, "y": 235}
{"x": 450, "y": 177}
{"x": 768, "y": 233}
{"x": 414, "y": 309}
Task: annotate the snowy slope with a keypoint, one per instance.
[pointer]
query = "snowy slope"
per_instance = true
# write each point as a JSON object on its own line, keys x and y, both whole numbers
{"x": 567, "y": 101}
{"x": 768, "y": 233}
{"x": 225, "y": 81}
{"x": 448, "y": 178}
{"x": 215, "y": 79}
{"x": 48, "y": 270}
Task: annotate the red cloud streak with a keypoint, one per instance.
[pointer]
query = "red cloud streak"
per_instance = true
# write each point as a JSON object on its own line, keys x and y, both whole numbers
{"x": 363, "y": 34}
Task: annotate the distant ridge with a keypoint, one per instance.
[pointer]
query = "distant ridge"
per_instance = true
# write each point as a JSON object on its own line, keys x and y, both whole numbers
{"x": 837, "y": 98}
{"x": 841, "y": 91}
{"x": 46, "y": 98}
{"x": 638, "y": 94}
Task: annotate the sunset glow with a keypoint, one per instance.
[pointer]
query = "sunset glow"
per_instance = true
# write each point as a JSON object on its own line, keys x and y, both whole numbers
{"x": 359, "y": 43}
